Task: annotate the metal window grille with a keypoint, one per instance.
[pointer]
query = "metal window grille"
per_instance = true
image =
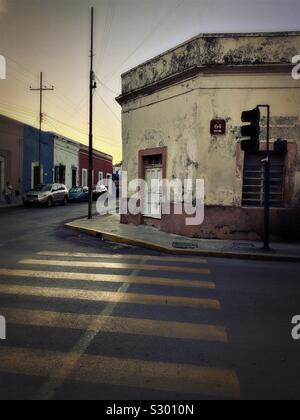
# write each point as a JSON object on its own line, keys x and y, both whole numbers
{"x": 253, "y": 188}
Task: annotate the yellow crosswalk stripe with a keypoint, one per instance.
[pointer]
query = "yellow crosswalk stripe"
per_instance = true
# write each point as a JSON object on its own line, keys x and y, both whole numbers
{"x": 160, "y": 376}
{"x": 119, "y": 325}
{"x": 55, "y": 275}
{"x": 193, "y": 260}
{"x": 93, "y": 264}
{"x": 95, "y": 296}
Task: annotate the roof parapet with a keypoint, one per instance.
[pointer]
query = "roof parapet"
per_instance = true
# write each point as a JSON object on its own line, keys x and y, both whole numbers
{"x": 214, "y": 50}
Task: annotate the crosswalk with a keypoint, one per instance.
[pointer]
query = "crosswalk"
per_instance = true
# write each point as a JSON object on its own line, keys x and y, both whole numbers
{"x": 123, "y": 295}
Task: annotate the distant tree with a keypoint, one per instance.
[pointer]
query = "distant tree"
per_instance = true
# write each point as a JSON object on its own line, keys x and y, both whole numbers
{"x": 119, "y": 164}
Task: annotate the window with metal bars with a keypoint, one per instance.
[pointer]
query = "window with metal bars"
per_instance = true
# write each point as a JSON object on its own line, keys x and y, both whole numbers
{"x": 60, "y": 174}
{"x": 153, "y": 160}
{"x": 254, "y": 175}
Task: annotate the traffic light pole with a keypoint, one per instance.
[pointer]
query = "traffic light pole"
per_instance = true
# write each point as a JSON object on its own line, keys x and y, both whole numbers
{"x": 267, "y": 186}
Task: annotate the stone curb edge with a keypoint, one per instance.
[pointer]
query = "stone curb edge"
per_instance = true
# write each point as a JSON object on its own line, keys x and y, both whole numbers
{"x": 197, "y": 253}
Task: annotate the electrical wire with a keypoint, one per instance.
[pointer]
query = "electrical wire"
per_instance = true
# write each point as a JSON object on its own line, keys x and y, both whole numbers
{"x": 106, "y": 87}
{"x": 104, "y": 139}
{"x": 144, "y": 40}
{"x": 108, "y": 107}
{"x": 31, "y": 78}
{"x": 27, "y": 78}
{"x": 107, "y": 31}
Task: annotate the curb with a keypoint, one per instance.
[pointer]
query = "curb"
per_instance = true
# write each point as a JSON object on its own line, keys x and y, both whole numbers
{"x": 13, "y": 206}
{"x": 105, "y": 236}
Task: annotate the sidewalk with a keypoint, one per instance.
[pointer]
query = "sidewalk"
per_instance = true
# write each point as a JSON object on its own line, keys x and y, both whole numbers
{"x": 10, "y": 206}
{"x": 109, "y": 228}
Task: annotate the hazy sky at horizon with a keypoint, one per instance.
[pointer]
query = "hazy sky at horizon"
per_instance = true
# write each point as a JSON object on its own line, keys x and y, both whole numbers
{"x": 53, "y": 36}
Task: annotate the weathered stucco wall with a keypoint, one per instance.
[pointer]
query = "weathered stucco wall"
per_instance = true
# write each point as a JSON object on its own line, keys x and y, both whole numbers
{"x": 179, "y": 118}
{"x": 215, "y": 50}
{"x": 66, "y": 153}
{"x": 170, "y": 101}
{"x": 11, "y": 147}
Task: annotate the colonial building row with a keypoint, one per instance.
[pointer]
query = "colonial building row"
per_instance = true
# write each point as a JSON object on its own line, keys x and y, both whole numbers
{"x": 62, "y": 160}
{"x": 181, "y": 116}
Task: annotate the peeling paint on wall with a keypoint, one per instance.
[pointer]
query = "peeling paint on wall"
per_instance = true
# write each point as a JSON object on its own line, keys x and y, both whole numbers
{"x": 178, "y": 116}
{"x": 208, "y": 50}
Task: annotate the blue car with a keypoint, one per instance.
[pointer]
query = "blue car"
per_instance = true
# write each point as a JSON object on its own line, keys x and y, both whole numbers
{"x": 78, "y": 195}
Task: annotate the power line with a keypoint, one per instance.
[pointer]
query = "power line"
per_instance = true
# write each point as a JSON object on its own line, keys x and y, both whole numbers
{"x": 32, "y": 75}
{"x": 17, "y": 108}
{"x": 33, "y": 78}
{"x": 57, "y": 131}
{"x": 27, "y": 75}
{"x": 106, "y": 87}
{"x": 79, "y": 108}
{"x": 107, "y": 31}
{"x": 20, "y": 115}
{"x": 162, "y": 20}
{"x": 111, "y": 142}
{"x": 50, "y": 100}
{"x": 108, "y": 107}
{"x": 7, "y": 103}
{"x": 22, "y": 111}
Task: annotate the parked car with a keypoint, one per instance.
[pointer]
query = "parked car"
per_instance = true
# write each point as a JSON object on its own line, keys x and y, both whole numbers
{"x": 78, "y": 195}
{"x": 47, "y": 194}
{"x": 99, "y": 190}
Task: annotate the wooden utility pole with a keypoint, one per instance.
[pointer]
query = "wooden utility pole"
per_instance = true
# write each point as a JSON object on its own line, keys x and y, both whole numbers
{"x": 93, "y": 86}
{"x": 41, "y": 89}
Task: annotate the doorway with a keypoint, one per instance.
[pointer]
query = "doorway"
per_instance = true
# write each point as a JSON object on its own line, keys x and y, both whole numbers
{"x": 36, "y": 175}
{"x": 74, "y": 177}
{"x": 60, "y": 174}
{"x": 153, "y": 178}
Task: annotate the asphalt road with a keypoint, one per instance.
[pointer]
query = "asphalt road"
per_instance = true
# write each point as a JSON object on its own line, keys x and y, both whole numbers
{"x": 117, "y": 322}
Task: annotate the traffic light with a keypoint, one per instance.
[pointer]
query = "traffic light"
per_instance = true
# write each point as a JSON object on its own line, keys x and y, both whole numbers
{"x": 252, "y": 131}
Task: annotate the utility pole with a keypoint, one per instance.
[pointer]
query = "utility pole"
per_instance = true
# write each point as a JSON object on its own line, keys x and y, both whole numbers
{"x": 41, "y": 89}
{"x": 93, "y": 86}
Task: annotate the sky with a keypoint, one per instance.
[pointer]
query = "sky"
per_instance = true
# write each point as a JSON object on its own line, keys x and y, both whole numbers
{"x": 53, "y": 36}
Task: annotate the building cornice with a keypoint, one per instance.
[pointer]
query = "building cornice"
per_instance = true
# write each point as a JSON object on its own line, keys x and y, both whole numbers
{"x": 213, "y": 53}
{"x": 193, "y": 72}
{"x": 97, "y": 153}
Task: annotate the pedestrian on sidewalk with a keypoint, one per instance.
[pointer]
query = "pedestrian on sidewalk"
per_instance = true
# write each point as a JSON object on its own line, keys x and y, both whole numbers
{"x": 8, "y": 193}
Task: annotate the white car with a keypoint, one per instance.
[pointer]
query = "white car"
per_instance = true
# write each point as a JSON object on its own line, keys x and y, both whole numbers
{"x": 47, "y": 194}
{"x": 99, "y": 190}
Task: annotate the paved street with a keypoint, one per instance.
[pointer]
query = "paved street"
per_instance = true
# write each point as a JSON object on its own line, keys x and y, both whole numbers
{"x": 88, "y": 319}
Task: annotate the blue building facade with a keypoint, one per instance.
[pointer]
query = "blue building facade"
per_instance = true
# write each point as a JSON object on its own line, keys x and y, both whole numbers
{"x": 31, "y": 157}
